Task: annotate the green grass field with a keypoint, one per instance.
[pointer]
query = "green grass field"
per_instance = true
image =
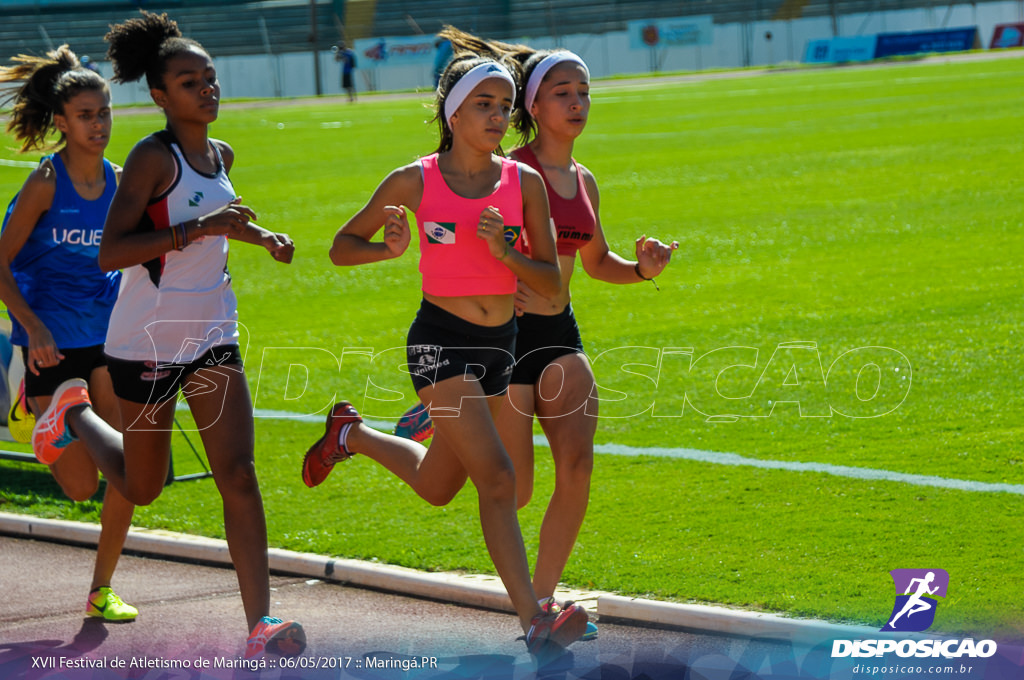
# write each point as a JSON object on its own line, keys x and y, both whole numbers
{"x": 850, "y": 208}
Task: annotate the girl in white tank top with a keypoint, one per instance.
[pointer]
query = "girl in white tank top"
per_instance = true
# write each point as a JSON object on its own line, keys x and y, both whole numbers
{"x": 175, "y": 324}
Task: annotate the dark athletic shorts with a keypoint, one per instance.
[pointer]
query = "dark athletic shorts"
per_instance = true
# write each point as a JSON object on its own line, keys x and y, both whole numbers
{"x": 541, "y": 340}
{"x": 78, "y": 362}
{"x": 147, "y": 382}
{"x": 441, "y": 345}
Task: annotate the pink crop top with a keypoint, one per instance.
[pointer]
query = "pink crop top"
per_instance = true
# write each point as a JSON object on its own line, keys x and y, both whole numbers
{"x": 574, "y": 218}
{"x": 454, "y": 261}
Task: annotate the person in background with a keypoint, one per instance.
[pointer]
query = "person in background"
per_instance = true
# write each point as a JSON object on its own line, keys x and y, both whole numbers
{"x": 344, "y": 55}
{"x": 442, "y": 55}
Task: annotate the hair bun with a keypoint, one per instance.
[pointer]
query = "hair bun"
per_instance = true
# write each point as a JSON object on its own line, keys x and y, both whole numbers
{"x": 135, "y": 44}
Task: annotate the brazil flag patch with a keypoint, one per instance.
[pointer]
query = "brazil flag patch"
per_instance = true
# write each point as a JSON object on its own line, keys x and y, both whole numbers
{"x": 512, "y": 234}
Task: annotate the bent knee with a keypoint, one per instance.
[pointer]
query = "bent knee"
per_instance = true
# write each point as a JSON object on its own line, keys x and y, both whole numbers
{"x": 143, "y": 491}
{"x": 440, "y": 497}
{"x": 80, "y": 489}
{"x": 143, "y": 497}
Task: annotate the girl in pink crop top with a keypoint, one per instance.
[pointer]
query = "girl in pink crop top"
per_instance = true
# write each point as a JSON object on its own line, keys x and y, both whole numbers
{"x": 472, "y": 208}
{"x": 556, "y": 101}
{"x": 453, "y": 260}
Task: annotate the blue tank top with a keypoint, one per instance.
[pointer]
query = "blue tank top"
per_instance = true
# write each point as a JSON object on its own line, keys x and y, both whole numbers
{"x": 57, "y": 270}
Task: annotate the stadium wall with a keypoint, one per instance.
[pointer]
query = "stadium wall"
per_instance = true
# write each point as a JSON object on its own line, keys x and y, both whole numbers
{"x": 732, "y": 45}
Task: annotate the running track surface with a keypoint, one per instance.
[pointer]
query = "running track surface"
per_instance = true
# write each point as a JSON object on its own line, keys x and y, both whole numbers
{"x": 190, "y": 612}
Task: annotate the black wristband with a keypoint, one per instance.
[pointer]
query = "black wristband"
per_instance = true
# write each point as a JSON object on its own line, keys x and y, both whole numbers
{"x": 636, "y": 268}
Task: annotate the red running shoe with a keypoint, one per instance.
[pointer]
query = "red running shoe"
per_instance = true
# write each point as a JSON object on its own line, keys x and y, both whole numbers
{"x": 415, "y": 424}
{"x": 284, "y": 638}
{"x": 51, "y": 434}
{"x": 554, "y": 630}
{"x": 327, "y": 451}
{"x": 551, "y": 605}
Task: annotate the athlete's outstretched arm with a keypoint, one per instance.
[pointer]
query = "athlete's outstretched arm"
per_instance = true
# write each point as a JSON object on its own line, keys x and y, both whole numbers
{"x": 601, "y": 263}
{"x": 401, "y": 189}
{"x": 34, "y": 199}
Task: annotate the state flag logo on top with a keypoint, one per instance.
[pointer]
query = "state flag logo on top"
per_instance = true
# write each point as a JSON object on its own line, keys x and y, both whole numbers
{"x": 442, "y": 233}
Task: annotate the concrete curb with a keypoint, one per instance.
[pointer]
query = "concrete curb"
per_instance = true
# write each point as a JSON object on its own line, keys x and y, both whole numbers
{"x": 473, "y": 590}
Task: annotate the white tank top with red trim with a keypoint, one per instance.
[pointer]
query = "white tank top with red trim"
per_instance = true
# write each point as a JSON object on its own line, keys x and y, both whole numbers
{"x": 175, "y": 308}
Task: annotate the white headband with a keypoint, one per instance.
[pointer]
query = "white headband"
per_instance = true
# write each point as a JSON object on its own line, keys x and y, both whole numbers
{"x": 468, "y": 83}
{"x": 541, "y": 70}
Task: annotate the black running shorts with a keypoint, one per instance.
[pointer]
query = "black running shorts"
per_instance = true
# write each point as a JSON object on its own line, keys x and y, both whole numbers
{"x": 541, "y": 340}
{"x": 78, "y": 362}
{"x": 150, "y": 382}
{"x": 441, "y": 345}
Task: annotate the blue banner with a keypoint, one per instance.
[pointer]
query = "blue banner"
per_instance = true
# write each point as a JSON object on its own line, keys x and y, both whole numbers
{"x": 679, "y": 32}
{"x": 840, "y": 50}
{"x": 396, "y": 51}
{"x": 920, "y": 42}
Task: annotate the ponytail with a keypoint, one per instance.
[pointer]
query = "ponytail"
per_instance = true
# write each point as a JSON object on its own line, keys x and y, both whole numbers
{"x": 469, "y": 52}
{"x": 47, "y": 84}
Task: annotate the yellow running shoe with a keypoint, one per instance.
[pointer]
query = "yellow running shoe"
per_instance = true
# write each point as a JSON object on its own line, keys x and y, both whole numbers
{"x": 104, "y": 603}
{"x": 21, "y": 420}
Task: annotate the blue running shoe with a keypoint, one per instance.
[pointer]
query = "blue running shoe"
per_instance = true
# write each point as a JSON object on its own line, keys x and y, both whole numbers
{"x": 415, "y": 424}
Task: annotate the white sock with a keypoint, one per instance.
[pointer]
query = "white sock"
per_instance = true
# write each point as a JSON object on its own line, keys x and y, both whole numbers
{"x": 343, "y": 436}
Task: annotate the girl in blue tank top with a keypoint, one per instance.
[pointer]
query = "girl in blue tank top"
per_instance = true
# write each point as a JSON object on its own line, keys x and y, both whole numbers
{"x": 57, "y": 297}
{"x": 56, "y": 269}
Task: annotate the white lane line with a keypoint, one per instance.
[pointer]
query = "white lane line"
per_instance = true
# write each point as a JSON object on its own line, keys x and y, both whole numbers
{"x": 733, "y": 459}
{"x": 18, "y": 164}
{"x": 837, "y": 470}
